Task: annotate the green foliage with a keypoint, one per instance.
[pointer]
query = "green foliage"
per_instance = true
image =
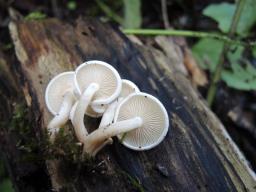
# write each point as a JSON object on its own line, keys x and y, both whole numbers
{"x": 7, "y": 46}
{"x": 5, "y": 183}
{"x": 222, "y": 13}
{"x": 207, "y": 51}
{"x": 64, "y": 147}
{"x": 132, "y": 18}
{"x": 35, "y": 15}
{"x": 20, "y": 125}
{"x": 109, "y": 12}
{"x": 19, "y": 122}
{"x": 71, "y": 5}
{"x": 241, "y": 77}
{"x": 6, "y": 186}
{"x": 254, "y": 52}
{"x": 132, "y": 14}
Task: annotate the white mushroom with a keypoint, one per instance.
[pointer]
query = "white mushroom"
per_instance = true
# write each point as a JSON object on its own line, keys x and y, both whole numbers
{"x": 59, "y": 99}
{"x": 128, "y": 87}
{"x": 97, "y": 83}
{"x": 155, "y": 121}
{"x": 141, "y": 116}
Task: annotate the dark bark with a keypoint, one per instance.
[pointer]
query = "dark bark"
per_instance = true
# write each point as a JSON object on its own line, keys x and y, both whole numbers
{"x": 196, "y": 155}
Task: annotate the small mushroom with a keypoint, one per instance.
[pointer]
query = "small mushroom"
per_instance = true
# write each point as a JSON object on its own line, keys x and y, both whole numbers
{"x": 128, "y": 87}
{"x": 59, "y": 98}
{"x": 97, "y": 83}
{"x": 155, "y": 121}
{"x": 141, "y": 116}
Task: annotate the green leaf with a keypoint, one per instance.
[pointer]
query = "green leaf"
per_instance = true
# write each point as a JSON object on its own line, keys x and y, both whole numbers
{"x": 222, "y": 13}
{"x": 71, "y": 5}
{"x": 254, "y": 52}
{"x": 132, "y": 14}
{"x": 207, "y": 52}
{"x": 6, "y": 186}
{"x": 242, "y": 78}
{"x": 235, "y": 53}
{"x": 36, "y": 15}
{"x": 248, "y": 18}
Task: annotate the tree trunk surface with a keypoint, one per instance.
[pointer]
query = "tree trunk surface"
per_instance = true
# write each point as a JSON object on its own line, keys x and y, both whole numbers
{"x": 196, "y": 155}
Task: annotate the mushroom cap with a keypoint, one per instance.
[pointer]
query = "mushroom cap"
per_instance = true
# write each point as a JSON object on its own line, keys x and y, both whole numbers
{"x": 154, "y": 116}
{"x": 104, "y": 75}
{"x": 128, "y": 87}
{"x": 92, "y": 113}
{"x": 57, "y": 88}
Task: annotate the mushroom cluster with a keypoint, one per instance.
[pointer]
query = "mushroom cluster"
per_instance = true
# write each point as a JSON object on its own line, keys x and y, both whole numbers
{"x": 139, "y": 120}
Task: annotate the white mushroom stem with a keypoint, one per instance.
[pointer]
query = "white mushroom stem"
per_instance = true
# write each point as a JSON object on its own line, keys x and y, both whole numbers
{"x": 108, "y": 115}
{"x": 109, "y": 141}
{"x": 83, "y": 103}
{"x": 72, "y": 111}
{"x": 95, "y": 139}
{"x": 106, "y": 120}
{"x": 63, "y": 115}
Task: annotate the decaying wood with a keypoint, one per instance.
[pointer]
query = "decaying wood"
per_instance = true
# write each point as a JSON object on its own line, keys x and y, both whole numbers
{"x": 23, "y": 172}
{"x": 196, "y": 155}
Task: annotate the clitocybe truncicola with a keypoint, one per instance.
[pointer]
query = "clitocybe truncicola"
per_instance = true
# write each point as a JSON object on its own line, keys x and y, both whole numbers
{"x": 95, "y": 88}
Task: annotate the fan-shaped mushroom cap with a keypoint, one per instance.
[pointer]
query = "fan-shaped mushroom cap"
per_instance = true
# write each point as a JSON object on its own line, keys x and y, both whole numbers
{"x": 105, "y": 76}
{"x": 154, "y": 116}
{"x": 56, "y": 89}
{"x": 128, "y": 87}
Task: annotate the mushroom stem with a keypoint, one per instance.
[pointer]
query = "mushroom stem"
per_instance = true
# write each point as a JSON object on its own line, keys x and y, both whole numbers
{"x": 97, "y": 137}
{"x": 72, "y": 111}
{"x": 63, "y": 115}
{"x": 109, "y": 141}
{"x": 83, "y": 103}
{"x": 108, "y": 115}
{"x": 106, "y": 120}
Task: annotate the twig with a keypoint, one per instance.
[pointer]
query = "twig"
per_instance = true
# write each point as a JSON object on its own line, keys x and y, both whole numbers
{"x": 165, "y": 14}
{"x": 217, "y": 73}
{"x": 107, "y": 10}
{"x": 187, "y": 33}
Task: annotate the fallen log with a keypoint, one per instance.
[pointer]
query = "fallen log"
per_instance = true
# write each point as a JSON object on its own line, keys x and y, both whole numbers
{"x": 196, "y": 155}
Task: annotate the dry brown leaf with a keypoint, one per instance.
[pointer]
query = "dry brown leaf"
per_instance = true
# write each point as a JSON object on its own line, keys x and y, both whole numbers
{"x": 198, "y": 75}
